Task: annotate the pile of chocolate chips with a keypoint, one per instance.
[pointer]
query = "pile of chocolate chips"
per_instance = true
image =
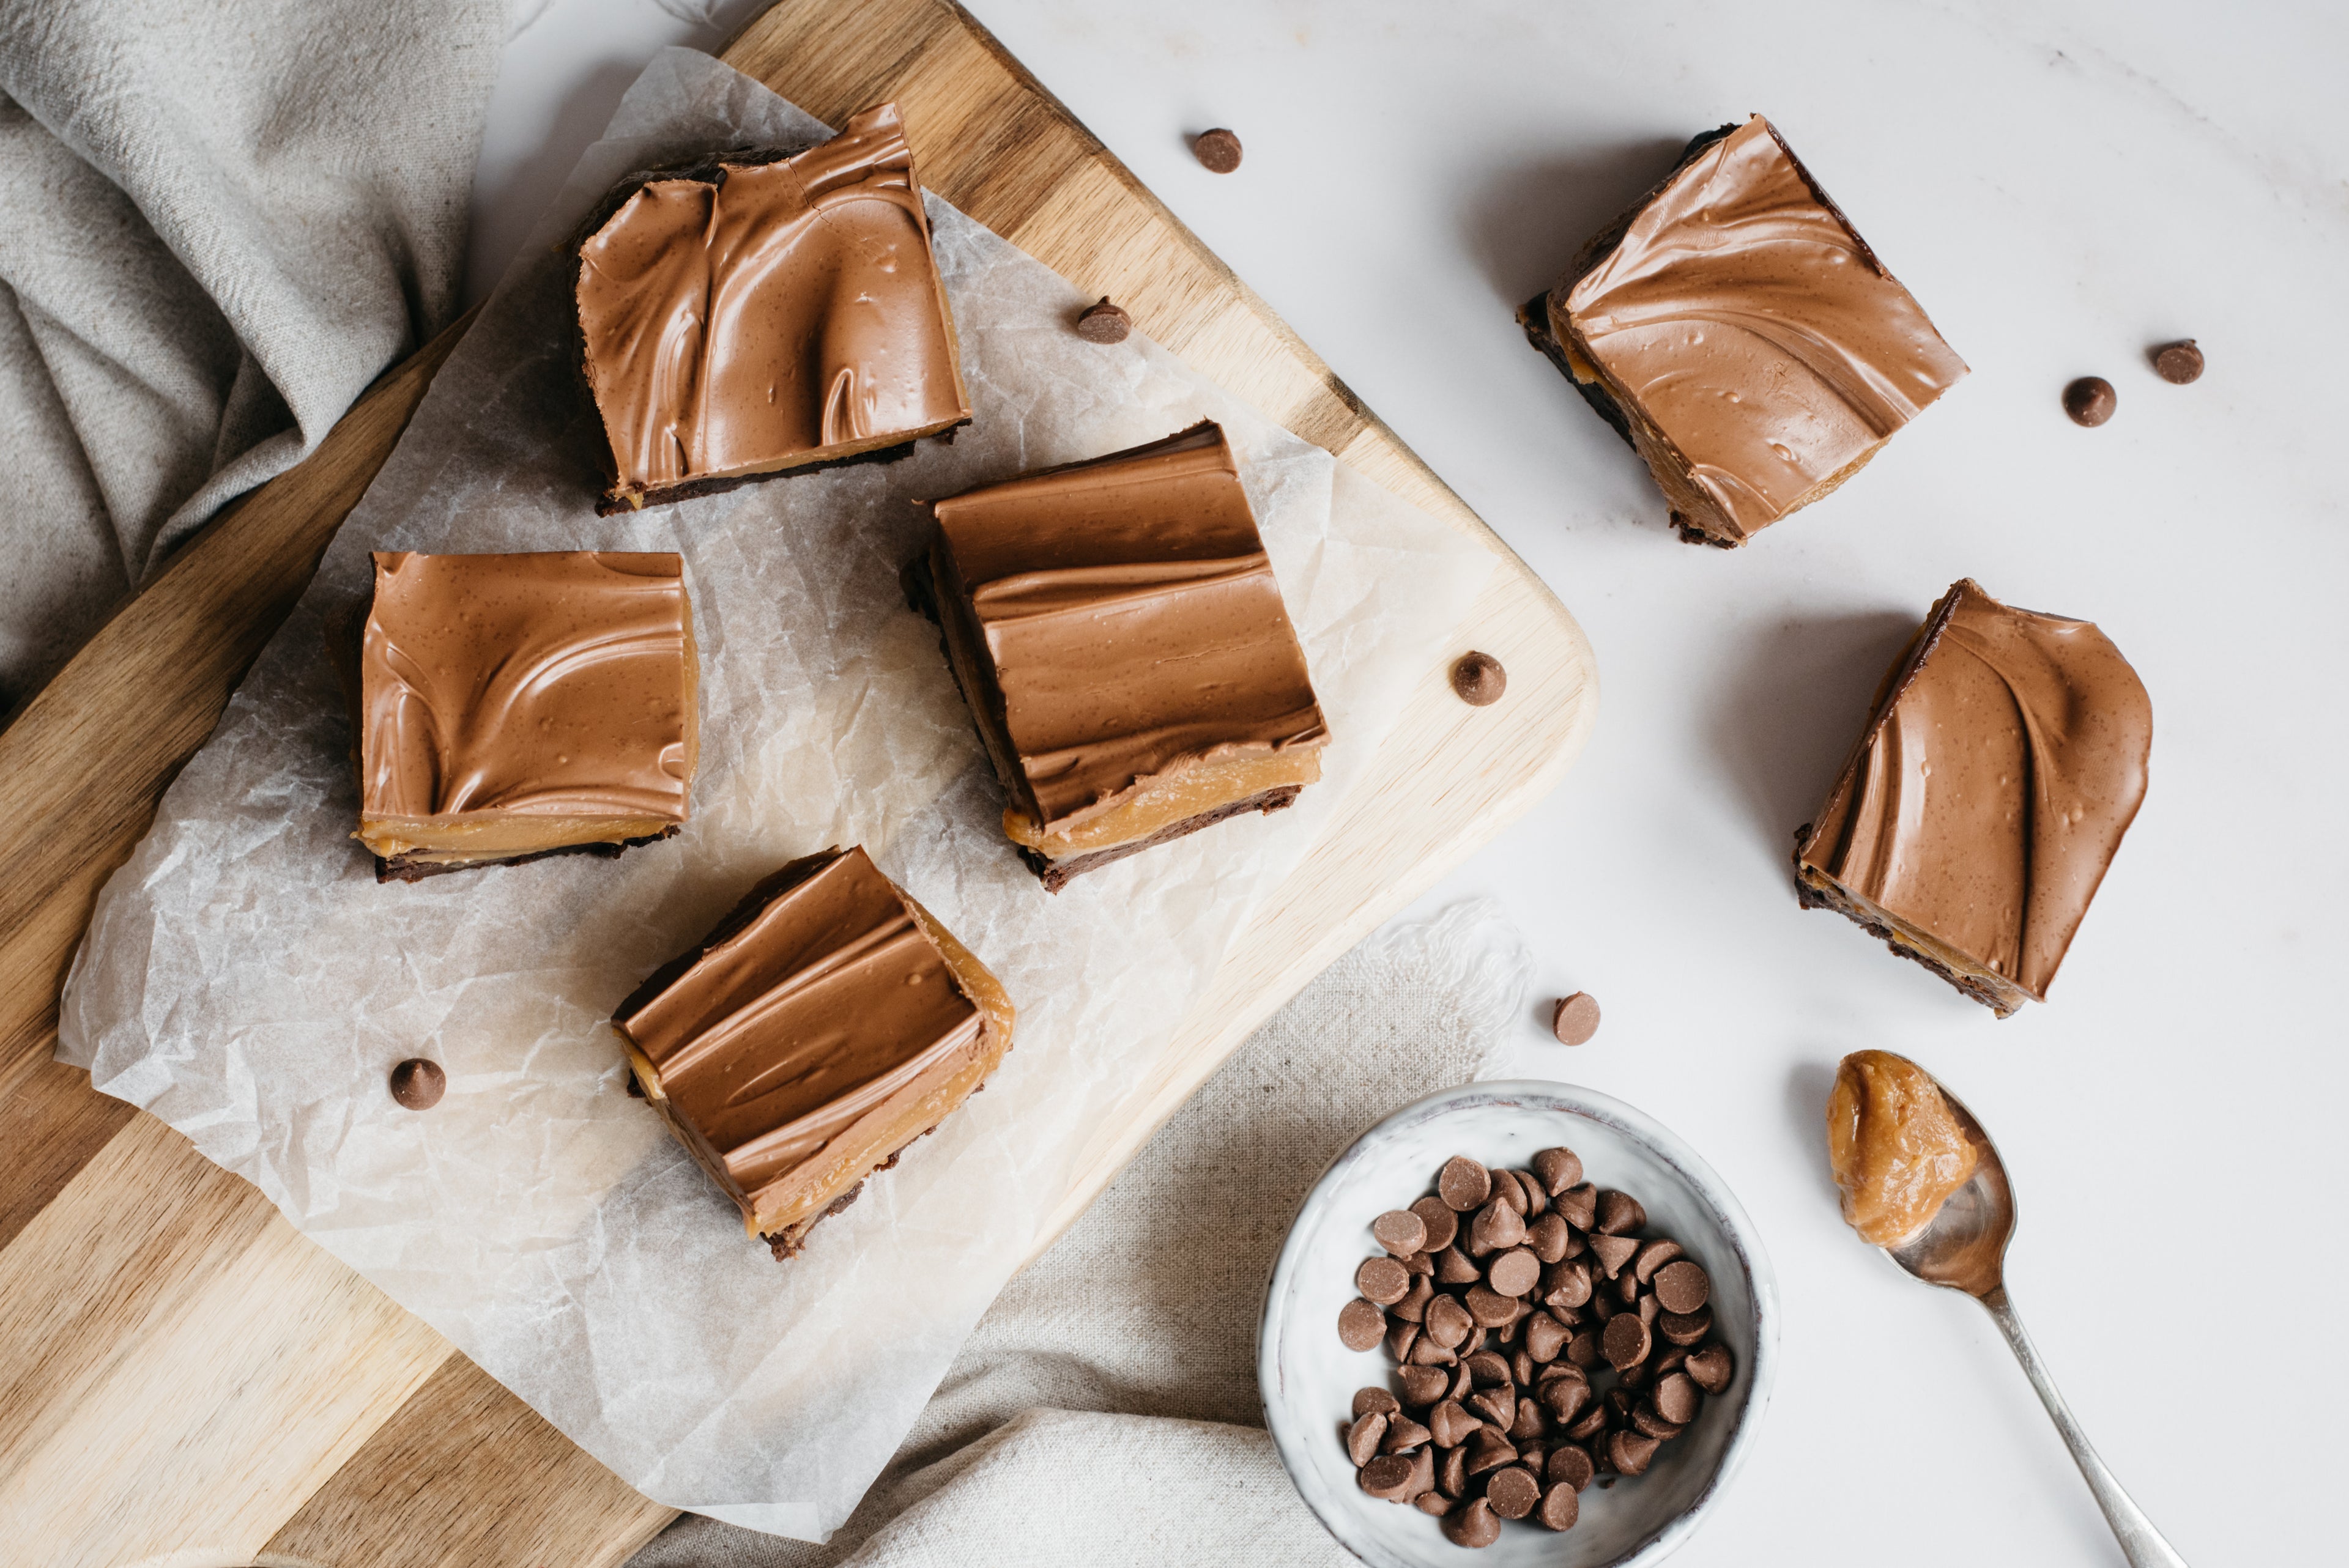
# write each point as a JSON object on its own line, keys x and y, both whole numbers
{"x": 1542, "y": 1340}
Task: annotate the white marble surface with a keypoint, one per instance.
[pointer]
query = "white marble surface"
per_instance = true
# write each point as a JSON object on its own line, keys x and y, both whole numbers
{"x": 2062, "y": 185}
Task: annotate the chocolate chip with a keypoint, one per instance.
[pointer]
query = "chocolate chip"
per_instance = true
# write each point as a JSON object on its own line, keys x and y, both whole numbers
{"x": 1619, "y": 1214}
{"x": 1557, "y": 1168}
{"x": 1512, "y": 1491}
{"x": 1522, "y": 1367}
{"x": 1452, "y": 1267}
{"x": 1505, "y": 1190}
{"x": 1574, "y": 1019}
{"x": 419, "y": 1083}
{"x": 1488, "y": 1450}
{"x": 1626, "y": 1341}
{"x": 1613, "y": 1252}
{"x": 1496, "y": 1226}
{"x": 1417, "y": 1263}
{"x": 1218, "y": 149}
{"x": 1591, "y": 1423}
{"x": 1479, "y": 679}
{"x": 1401, "y": 1231}
{"x": 1679, "y": 1330}
{"x": 1464, "y": 1184}
{"x": 1527, "y": 1427}
{"x": 1564, "y": 1398}
{"x": 1631, "y": 1452}
{"x": 1423, "y": 1473}
{"x": 1423, "y": 1384}
{"x": 1498, "y": 1404}
{"x": 1362, "y": 1438}
{"x": 1579, "y": 1205}
{"x": 1570, "y": 1466}
{"x": 1549, "y": 1237}
{"x": 1602, "y": 1307}
{"x": 1545, "y": 1337}
{"x": 1463, "y": 1381}
{"x": 1652, "y": 1256}
{"x": 1360, "y": 1324}
{"x": 1426, "y": 1352}
{"x": 1375, "y": 1400}
{"x": 1452, "y": 1472}
{"x": 1514, "y": 1272}
{"x": 2090, "y": 400}
{"x": 1583, "y": 1351}
{"x": 1683, "y": 1287}
{"x": 2179, "y": 363}
{"x": 1452, "y": 1425}
{"x": 1447, "y": 1322}
{"x": 1443, "y": 1224}
{"x": 1711, "y": 1368}
{"x": 1567, "y": 1285}
{"x": 1646, "y": 1419}
{"x": 1537, "y": 1195}
{"x": 1626, "y": 1288}
{"x": 1676, "y": 1398}
{"x": 1490, "y": 1308}
{"x": 1412, "y": 1307}
{"x": 1485, "y": 1369}
{"x": 1472, "y": 1526}
{"x": 1103, "y": 323}
{"x": 1387, "y": 1477}
{"x": 1382, "y": 1280}
{"x": 1559, "y": 1506}
{"x": 1403, "y": 1433}
{"x": 1434, "y": 1502}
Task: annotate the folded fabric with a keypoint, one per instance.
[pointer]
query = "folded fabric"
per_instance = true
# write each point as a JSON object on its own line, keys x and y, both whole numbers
{"x": 225, "y": 218}
{"x": 1105, "y": 1409}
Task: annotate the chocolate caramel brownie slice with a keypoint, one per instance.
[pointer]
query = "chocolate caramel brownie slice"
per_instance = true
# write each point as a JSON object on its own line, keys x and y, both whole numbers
{"x": 766, "y": 312}
{"x": 1116, "y": 628}
{"x": 1737, "y": 332}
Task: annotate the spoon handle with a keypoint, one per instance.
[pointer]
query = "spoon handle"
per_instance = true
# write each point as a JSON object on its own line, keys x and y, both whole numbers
{"x": 2141, "y": 1544}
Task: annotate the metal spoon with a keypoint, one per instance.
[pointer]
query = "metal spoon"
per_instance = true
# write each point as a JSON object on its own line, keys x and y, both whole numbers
{"x": 1964, "y": 1248}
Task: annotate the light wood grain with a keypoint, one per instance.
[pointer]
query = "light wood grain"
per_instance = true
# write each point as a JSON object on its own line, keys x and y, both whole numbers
{"x": 182, "y": 1377}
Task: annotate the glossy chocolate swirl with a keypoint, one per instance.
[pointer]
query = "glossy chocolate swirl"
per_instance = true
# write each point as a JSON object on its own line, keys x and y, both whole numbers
{"x": 559, "y": 683}
{"x": 768, "y": 310}
{"x": 1743, "y": 322}
{"x": 1992, "y": 787}
{"x": 1131, "y": 621}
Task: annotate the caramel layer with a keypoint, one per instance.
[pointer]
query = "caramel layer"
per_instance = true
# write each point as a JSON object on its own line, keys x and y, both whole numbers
{"x": 825, "y": 1024}
{"x": 1118, "y": 630}
{"x": 509, "y": 705}
{"x": 1756, "y": 351}
{"x": 759, "y": 315}
{"x": 1986, "y": 798}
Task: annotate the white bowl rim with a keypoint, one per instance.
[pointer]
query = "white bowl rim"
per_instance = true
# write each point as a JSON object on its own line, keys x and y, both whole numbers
{"x": 1701, "y": 1179}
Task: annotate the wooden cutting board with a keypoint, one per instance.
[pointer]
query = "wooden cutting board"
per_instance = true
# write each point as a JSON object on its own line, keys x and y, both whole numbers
{"x": 184, "y": 1378}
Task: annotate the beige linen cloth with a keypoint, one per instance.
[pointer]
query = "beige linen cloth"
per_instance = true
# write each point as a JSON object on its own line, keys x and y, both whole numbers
{"x": 219, "y": 221}
{"x": 1105, "y": 1409}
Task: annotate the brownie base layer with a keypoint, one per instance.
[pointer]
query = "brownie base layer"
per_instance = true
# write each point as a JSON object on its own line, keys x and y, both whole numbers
{"x": 1057, "y": 874}
{"x": 406, "y": 868}
{"x": 616, "y": 502}
{"x": 1989, "y": 990}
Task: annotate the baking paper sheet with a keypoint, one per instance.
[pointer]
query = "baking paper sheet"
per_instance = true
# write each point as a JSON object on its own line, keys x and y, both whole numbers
{"x": 247, "y": 980}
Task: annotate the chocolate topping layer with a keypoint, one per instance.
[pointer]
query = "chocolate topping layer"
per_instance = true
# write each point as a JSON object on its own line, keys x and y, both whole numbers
{"x": 524, "y": 702}
{"x": 1996, "y": 776}
{"x": 1131, "y": 627}
{"x": 824, "y": 1024}
{"x": 767, "y": 313}
{"x": 1757, "y": 350}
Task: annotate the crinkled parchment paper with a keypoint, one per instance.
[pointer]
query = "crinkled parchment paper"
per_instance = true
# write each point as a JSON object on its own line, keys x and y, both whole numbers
{"x": 246, "y": 979}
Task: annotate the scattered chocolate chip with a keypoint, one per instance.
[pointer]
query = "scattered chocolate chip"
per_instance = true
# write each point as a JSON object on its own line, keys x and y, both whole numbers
{"x": 1512, "y": 1491}
{"x": 1387, "y": 1477}
{"x": 1583, "y": 1351}
{"x": 1447, "y": 1322}
{"x": 1452, "y": 1423}
{"x": 1579, "y": 1205}
{"x": 1710, "y": 1367}
{"x": 1403, "y": 1433}
{"x": 1559, "y": 1505}
{"x": 1676, "y": 1398}
{"x": 1514, "y": 1272}
{"x": 1620, "y": 1214}
{"x": 1545, "y": 1338}
{"x": 1566, "y": 1285}
{"x": 1479, "y": 679}
{"x": 2179, "y": 363}
{"x": 1488, "y": 1450}
{"x": 1613, "y": 1252}
{"x": 1361, "y": 1326}
{"x": 1472, "y": 1526}
{"x": 1413, "y": 1308}
{"x": 1434, "y": 1502}
{"x": 1496, "y": 1226}
{"x": 419, "y": 1083}
{"x": 1527, "y": 1427}
{"x": 1521, "y": 1366}
{"x": 1570, "y": 1466}
{"x": 1490, "y": 1308}
{"x": 1377, "y": 1400}
{"x": 1382, "y": 1280}
{"x": 1485, "y": 1369}
{"x": 1498, "y": 1404}
{"x": 1683, "y": 1287}
{"x": 1564, "y": 1398}
{"x": 1574, "y": 1019}
{"x": 1626, "y": 1341}
{"x": 1537, "y": 1195}
{"x": 2090, "y": 400}
{"x": 1559, "y": 1168}
{"x": 1590, "y": 1424}
{"x": 1427, "y": 1352}
{"x": 1402, "y": 1338}
{"x": 1418, "y": 1264}
{"x": 1219, "y": 150}
{"x": 1452, "y": 1267}
{"x": 1631, "y": 1452}
{"x": 1464, "y": 1184}
{"x": 1652, "y": 1256}
{"x": 1549, "y": 1237}
{"x": 1443, "y": 1224}
{"x": 1452, "y": 1472}
{"x": 1103, "y": 323}
{"x": 1509, "y": 1188}
{"x": 1362, "y": 1438}
{"x": 1421, "y": 1385}
{"x": 1679, "y": 1330}
{"x": 1401, "y": 1231}
{"x": 1647, "y": 1420}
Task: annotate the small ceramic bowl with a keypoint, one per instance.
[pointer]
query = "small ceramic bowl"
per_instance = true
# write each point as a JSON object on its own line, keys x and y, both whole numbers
{"x": 1308, "y": 1377}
